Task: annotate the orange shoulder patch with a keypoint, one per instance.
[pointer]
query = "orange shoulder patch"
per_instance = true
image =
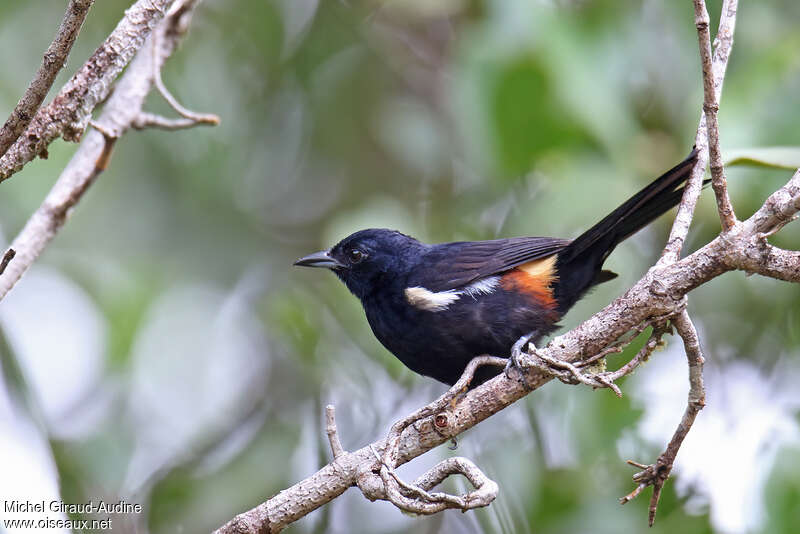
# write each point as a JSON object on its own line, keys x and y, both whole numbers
{"x": 534, "y": 278}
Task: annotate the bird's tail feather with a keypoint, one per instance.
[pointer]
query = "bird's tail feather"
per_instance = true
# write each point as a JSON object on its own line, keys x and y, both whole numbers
{"x": 580, "y": 261}
{"x": 635, "y": 213}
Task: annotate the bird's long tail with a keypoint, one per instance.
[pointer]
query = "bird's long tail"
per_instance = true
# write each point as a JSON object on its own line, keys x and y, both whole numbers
{"x": 579, "y": 264}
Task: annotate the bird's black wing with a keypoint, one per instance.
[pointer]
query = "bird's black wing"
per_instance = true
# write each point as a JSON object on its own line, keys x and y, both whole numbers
{"x": 453, "y": 265}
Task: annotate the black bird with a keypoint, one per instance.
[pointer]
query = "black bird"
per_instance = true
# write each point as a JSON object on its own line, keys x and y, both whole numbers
{"x": 436, "y": 307}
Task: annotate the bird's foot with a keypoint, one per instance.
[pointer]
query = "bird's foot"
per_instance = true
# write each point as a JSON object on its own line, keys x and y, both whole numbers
{"x": 518, "y": 352}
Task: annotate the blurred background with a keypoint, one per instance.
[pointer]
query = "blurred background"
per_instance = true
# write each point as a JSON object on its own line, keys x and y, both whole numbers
{"x": 163, "y": 350}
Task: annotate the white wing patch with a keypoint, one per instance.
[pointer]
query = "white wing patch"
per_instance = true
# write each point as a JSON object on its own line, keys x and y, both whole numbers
{"x": 425, "y": 299}
{"x": 482, "y": 287}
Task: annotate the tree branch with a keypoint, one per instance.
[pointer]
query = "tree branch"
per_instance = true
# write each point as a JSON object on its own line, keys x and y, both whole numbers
{"x": 69, "y": 112}
{"x": 767, "y": 260}
{"x": 719, "y": 65}
{"x": 332, "y": 431}
{"x": 778, "y": 210}
{"x": 657, "y": 474}
{"x": 52, "y": 62}
{"x": 7, "y": 257}
{"x": 570, "y": 373}
{"x": 711, "y": 107}
{"x": 193, "y": 117}
{"x": 414, "y": 498}
{"x": 147, "y": 120}
{"x": 91, "y": 158}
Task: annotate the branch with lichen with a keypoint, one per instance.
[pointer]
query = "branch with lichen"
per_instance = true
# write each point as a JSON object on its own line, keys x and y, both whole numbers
{"x": 713, "y": 72}
{"x": 70, "y": 111}
{"x": 122, "y": 111}
{"x": 52, "y": 62}
{"x": 711, "y": 103}
{"x": 657, "y": 474}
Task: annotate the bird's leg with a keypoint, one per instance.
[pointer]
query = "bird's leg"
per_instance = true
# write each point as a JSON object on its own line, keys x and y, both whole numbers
{"x": 517, "y": 352}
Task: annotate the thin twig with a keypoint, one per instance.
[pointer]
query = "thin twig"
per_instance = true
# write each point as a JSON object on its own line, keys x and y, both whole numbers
{"x": 711, "y": 108}
{"x": 438, "y": 405}
{"x": 69, "y": 112}
{"x": 570, "y": 373}
{"x": 719, "y": 65}
{"x": 616, "y": 347}
{"x": 147, "y": 120}
{"x": 777, "y": 228}
{"x": 642, "y": 356}
{"x": 416, "y": 499}
{"x": 657, "y": 474}
{"x": 331, "y": 430}
{"x": 52, "y": 62}
{"x": 778, "y": 210}
{"x": 188, "y": 119}
{"x": 93, "y": 155}
{"x": 7, "y": 257}
{"x": 196, "y": 118}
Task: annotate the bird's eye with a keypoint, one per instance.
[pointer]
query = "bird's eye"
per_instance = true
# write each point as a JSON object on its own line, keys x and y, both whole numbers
{"x": 356, "y": 256}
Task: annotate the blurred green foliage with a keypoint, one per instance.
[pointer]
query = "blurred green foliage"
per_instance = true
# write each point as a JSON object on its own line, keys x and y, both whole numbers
{"x": 446, "y": 120}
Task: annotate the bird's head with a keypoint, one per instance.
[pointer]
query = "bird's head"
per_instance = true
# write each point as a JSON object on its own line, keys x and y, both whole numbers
{"x": 368, "y": 260}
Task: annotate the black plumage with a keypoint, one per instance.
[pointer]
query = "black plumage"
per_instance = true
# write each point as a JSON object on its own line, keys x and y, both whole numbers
{"x": 436, "y": 307}
{"x": 453, "y": 265}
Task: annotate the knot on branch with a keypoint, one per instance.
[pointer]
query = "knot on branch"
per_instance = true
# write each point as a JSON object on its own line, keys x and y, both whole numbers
{"x": 371, "y": 484}
{"x": 380, "y": 481}
{"x": 416, "y": 497}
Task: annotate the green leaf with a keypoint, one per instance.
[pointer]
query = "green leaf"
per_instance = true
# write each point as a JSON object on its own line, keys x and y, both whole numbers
{"x": 528, "y": 118}
{"x": 778, "y": 157}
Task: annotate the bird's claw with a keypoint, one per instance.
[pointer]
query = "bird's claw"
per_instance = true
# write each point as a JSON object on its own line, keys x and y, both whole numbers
{"x": 514, "y": 360}
{"x": 512, "y": 364}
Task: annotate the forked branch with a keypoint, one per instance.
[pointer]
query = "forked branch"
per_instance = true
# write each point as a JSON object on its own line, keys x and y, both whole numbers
{"x": 69, "y": 112}
{"x": 415, "y": 497}
{"x": 52, "y": 62}
{"x": 574, "y": 373}
{"x": 657, "y": 474}
{"x": 716, "y": 76}
{"x": 119, "y": 113}
{"x": 711, "y": 105}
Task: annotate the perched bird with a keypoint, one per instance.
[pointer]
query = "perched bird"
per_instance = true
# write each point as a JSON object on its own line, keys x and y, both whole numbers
{"x": 436, "y": 307}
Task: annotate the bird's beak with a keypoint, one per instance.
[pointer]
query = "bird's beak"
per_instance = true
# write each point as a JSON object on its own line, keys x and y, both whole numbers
{"x": 319, "y": 259}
